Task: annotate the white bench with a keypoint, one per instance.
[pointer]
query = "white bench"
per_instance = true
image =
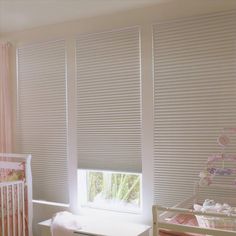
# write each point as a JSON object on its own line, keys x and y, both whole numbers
{"x": 97, "y": 227}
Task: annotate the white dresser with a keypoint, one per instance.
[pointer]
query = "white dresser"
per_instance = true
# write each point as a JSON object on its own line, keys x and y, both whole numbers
{"x": 97, "y": 227}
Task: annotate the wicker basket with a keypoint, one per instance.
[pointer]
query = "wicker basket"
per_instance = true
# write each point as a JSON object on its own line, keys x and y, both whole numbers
{"x": 216, "y": 222}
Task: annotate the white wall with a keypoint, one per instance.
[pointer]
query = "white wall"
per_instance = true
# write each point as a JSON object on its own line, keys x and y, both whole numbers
{"x": 142, "y": 17}
{"x": 42, "y": 212}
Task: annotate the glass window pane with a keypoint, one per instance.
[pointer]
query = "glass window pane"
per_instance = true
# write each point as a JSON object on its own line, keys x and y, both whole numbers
{"x": 112, "y": 190}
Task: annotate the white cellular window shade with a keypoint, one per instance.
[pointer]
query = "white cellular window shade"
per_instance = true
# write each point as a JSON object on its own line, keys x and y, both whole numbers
{"x": 42, "y": 117}
{"x": 109, "y": 101}
{"x": 194, "y": 97}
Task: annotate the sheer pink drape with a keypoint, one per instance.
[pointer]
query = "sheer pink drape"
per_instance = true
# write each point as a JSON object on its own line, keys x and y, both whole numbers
{"x": 5, "y": 99}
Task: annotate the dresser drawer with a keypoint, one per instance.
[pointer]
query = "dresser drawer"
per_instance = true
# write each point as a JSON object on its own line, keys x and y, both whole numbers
{"x": 86, "y": 234}
{"x": 82, "y": 234}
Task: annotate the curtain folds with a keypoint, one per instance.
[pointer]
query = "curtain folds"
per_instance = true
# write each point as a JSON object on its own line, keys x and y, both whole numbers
{"x": 5, "y": 99}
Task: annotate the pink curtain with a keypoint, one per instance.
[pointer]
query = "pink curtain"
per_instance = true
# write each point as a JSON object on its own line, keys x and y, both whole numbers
{"x": 5, "y": 100}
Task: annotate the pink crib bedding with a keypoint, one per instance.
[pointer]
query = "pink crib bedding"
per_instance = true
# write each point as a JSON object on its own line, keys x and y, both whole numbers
{"x": 182, "y": 219}
{"x": 9, "y": 173}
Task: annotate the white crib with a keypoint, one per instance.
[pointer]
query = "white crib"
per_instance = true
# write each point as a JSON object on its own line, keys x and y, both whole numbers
{"x": 15, "y": 195}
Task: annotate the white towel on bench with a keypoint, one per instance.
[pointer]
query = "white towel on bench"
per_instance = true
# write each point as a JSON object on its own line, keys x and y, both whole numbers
{"x": 64, "y": 223}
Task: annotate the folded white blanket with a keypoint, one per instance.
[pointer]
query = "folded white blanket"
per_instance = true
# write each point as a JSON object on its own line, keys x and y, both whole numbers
{"x": 64, "y": 223}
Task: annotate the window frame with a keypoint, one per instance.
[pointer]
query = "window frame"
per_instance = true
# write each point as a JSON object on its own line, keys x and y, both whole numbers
{"x": 82, "y": 194}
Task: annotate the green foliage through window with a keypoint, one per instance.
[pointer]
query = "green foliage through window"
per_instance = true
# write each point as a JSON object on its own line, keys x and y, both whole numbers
{"x": 119, "y": 187}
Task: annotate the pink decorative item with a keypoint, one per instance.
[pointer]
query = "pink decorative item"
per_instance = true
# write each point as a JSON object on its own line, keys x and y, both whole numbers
{"x": 223, "y": 140}
{"x": 212, "y": 168}
{"x": 232, "y": 130}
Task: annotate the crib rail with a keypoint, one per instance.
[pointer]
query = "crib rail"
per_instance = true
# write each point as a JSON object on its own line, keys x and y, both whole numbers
{"x": 12, "y": 208}
{"x": 160, "y": 223}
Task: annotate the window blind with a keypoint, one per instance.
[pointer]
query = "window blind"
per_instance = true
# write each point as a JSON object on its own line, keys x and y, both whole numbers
{"x": 109, "y": 101}
{"x": 194, "y": 98}
{"x": 42, "y": 117}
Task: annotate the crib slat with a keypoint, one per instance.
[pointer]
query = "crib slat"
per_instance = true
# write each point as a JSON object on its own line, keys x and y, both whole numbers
{"x": 13, "y": 210}
{"x": 8, "y": 212}
{"x": 23, "y": 210}
{"x": 18, "y": 208}
{"x": 2, "y": 204}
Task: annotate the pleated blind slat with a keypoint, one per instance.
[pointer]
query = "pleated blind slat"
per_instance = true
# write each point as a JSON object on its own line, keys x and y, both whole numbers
{"x": 109, "y": 101}
{"x": 194, "y": 97}
{"x": 42, "y": 120}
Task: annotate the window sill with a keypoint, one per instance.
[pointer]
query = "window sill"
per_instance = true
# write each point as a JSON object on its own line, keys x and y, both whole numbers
{"x": 57, "y": 204}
